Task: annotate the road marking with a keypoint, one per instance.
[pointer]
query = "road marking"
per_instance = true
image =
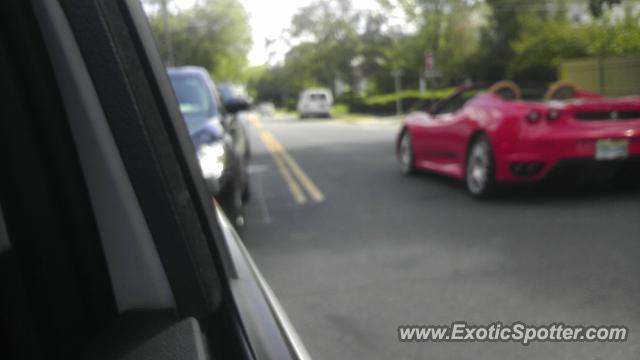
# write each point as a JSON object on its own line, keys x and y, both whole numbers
{"x": 306, "y": 182}
{"x": 295, "y": 189}
{"x": 255, "y": 122}
{"x": 280, "y": 152}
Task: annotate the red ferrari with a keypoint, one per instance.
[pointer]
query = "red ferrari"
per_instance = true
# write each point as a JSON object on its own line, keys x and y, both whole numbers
{"x": 491, "y": 137}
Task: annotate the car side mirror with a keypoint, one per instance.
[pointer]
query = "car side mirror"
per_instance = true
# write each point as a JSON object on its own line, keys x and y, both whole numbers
{"x": 236, "y": 105}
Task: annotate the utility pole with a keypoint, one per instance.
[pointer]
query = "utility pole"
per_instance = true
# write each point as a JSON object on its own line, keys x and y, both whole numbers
{"x": 430, "y": 70}
{"x": 429, "y": 63}
{"x": 167, "y": 32}
{"x": 397, "y": 75}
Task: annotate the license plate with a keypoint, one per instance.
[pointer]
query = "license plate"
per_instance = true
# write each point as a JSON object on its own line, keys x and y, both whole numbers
{"x": 607, "y": 149}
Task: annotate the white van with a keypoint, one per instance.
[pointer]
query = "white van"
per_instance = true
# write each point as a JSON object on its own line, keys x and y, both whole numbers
{"x": 315, "y": 102}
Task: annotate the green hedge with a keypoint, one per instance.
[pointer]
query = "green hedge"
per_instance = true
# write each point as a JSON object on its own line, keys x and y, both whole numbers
{"x": 410, "y": 94}
{"x": 385, "y": 104}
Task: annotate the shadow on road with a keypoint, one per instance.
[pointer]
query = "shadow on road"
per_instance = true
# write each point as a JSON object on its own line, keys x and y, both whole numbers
{"x": 556, "y": 190}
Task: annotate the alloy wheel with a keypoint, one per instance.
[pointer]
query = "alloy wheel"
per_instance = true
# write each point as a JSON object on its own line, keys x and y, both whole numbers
{"x": 478, "y": 172}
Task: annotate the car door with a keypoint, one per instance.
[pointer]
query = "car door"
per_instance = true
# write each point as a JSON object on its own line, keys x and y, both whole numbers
{"x": 234, "y": 135}
{"x": 109, "y": 244}
{"x": 433, "y": 131}
{"x": 237, "y": 142}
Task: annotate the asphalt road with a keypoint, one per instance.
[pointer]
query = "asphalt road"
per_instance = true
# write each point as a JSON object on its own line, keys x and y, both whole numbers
{"x": 382, "y": 250}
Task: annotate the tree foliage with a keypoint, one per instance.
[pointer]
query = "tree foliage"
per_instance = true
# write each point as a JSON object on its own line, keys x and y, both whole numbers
{"x": 543, "y": 44}
{"x": 214, "y": 34}
{"x": 336, "y": 44}
{"x": 597, "y": 6}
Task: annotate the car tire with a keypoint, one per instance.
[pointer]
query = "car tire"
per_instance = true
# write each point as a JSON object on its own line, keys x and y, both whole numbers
{"x": 232, "y": 203}
{"x": 406, "y": 156}
{"x": 480, "y": 168}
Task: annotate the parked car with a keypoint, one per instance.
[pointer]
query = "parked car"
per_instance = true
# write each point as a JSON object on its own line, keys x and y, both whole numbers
{"x": 110, "y": 246}
{"x": 234, "y": 93}
{"x": 315, "y": 102}
{"x": 218, "y": 135}
{"x": 495, "y": 137}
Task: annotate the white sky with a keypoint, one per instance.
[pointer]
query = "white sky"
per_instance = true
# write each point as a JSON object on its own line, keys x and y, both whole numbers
{"x": 268, "y": 20}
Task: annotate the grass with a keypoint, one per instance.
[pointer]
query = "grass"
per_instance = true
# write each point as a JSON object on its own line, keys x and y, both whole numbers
{"x": 283, "y": 112}
{"x": 341, "y": 112}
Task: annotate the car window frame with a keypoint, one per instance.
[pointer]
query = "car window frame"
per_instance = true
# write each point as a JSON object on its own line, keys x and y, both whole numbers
{"x": 437, "y": 108}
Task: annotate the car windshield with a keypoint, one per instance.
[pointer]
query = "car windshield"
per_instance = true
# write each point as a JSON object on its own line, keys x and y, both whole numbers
{"x": 431, "y": 179}
{"x": 194, "y": 98}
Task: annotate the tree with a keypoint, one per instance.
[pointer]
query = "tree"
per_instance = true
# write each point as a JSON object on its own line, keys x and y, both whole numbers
{"x": 543, "y": 44}
{"x": 508, "y": 21}
{"x": 335, "y": 41}
{"x": 538, "y": 54}
{"x": 214, "y": 34}
{"x": 596, "y": 6}
{"x": 447, "y": 28}
{"x": 331, "y": 25}
{"x": 486, "y": 40}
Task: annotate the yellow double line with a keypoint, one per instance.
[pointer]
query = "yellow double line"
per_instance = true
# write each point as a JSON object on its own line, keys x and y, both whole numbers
{"x": 290, "y": 170}
{"x": 255, "y": 122}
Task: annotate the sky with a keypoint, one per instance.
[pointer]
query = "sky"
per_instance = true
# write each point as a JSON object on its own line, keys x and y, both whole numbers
{"x": 268, "y": 20}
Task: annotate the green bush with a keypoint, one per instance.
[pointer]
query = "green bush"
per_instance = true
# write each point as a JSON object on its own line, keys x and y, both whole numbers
{"x": 385, "y": 104}
{"x": 410, "y": 94}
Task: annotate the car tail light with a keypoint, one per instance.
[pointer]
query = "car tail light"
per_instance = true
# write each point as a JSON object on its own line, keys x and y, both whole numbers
{"x": 533, "y": 117}
{"x": 553, "y": 115}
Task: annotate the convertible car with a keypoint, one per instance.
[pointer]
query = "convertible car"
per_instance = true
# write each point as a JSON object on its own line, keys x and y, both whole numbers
{"x": 493, "y": 136}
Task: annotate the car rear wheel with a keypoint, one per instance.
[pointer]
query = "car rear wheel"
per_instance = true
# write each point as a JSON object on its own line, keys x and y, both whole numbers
{"x": 479, "y": 174}
{"x": 406, "y": 155}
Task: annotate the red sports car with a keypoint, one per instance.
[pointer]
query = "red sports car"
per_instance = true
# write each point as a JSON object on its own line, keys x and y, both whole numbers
{"x": 493, "y": 136}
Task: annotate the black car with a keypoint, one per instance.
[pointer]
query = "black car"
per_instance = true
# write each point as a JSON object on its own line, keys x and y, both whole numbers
{"x": 232, "y": 93}
{"x": 219, "y": 136}
{"x": 110, "y": 245}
